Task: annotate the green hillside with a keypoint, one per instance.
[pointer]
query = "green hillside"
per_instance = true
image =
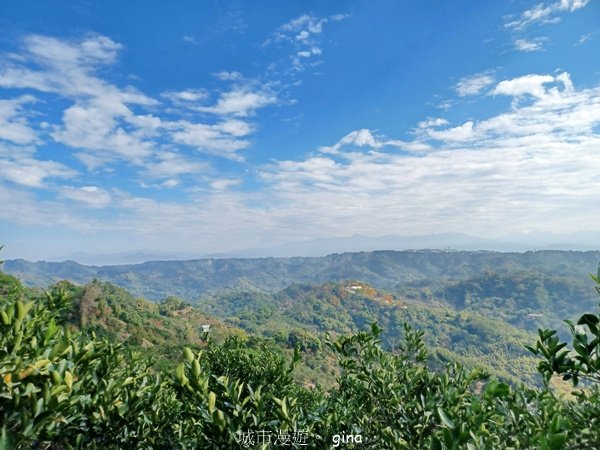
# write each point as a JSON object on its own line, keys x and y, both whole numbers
{"x": 479, "y": 308}
{"x": 67, "y": 382}
{"x": 389, "y": 270}
{"x": 526, "y": 299}
{"x": 305, "y": 313}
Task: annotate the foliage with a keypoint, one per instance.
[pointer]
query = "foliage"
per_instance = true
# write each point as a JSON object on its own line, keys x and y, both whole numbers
{"x": 581, "y": 363}
{"x": 526, "y": 299}
{"x": 171, "y": 304}
{"x": 302, "y": 314}
{"x": 383, "y": 269}
{"x": 61, "y": 388}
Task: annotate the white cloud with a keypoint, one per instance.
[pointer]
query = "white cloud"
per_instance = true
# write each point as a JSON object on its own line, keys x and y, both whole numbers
{"x": 474, "y": 84}
{"x": 99, "y": 117}
{"x": 241, "y": 101}
{"x": 91, "y": 196}
{"x": 188, "y": 95}
{"x": 545, "y": 13}
{"x": 460, "y": 133}
{"x": 104, "y": 123}
{"x": 55, "y": 52}
{"x": 364, "y": 138}
{"x": 527, "y": 84}
{"x": 587, "y": 37}
{"x": 169, "y": 164}
{"x": 96, "y": 128}
{"x": 359, "y": 138}
{"x": 555, "y": 104}
{"x": 224, "y": 183}
{"x": 304, "y": 34}
{"x": 14, "y": 126}
{"x": 532, "y": 167}
{"x": 210, "y": 139}
{"x": 565, "y": 79}
{"x": 523, "y": 45}
{"x": 432, "y": 123}
{"x": 20, "y": 166}
{"x": 572, "y": 5}
{"x": 228, "y": 76}
{"x": 305, "y": 24}
{"x": 235, "y": 127}
{"x": 308, "y": 53}
{"x": 338, "y": 17}
{"x": 189, "y": 39}
{"x": 66, "y": 68}
{"x": 170, "y": 183}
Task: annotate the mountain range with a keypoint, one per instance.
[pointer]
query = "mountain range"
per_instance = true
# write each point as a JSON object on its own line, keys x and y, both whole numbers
{"x": 356, "y": 243}
{"x": 192, "y": 279}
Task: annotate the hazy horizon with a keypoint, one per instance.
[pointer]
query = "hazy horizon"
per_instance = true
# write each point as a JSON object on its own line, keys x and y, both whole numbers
{"x": 325, "y": 247}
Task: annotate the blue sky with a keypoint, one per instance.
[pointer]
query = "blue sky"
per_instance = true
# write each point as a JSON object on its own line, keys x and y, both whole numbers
{"x": 214, "y": 126}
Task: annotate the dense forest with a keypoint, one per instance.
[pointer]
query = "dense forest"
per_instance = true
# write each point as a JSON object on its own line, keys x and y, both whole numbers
{"x": 433, "y": 362}
{"x": 389, "y": 270}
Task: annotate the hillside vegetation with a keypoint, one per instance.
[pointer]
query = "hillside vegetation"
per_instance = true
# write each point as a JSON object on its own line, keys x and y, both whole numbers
{"x": 478, "y": 308}
{"x": 389, "y": 270}
{"x": 303, "y": 314}
{"x": 62, "y": 386}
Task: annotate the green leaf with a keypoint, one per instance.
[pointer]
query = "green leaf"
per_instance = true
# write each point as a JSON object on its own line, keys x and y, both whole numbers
{"x": 591, "y": 321}
{"x": 532, "y": 349}
{"x": 179, "y": 372}
{"x": 497, "y": 389}
{"x": 212, "y": 398}
{"x": 5, "y": 318}
{"x": 435, "y": 444}
{"x": 446, "y": 422}
{"x": 196, "y": 368}
{"x": 6, "y": 440}
{"x": 188, "y": 355}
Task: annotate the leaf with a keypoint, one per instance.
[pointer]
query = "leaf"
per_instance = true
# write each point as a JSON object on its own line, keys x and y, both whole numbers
{"x": 212, "y": 398}
{"x": 435, "y": 444}
{"x": 588, "y": 318}
{"x": 591, "y": 321}
{"x": 532, "y": 349}
{"x": 188, "y": 355}
{"x": 6, "y": 440}
{"x": 497, "y": 389}
{"x": 375, "y": 329}
{"x": 68, "y": 379}
{"x": 20, "y": 310}
{"x": 196, "y": 368}
{"x": 179, "y": 373}
{"x": 5, "y": 318}
{"x": 446, "y": 422}
{"x": 570, "y": 325}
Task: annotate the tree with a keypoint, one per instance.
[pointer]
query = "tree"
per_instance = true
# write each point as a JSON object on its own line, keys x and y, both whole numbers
{"x": 583, "y": 361}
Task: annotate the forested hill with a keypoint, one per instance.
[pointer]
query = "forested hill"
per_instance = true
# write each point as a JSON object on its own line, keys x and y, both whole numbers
{"x": 383, "y": 269}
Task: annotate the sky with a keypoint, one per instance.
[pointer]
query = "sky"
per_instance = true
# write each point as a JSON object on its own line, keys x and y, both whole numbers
{"x": 202, "y": 127}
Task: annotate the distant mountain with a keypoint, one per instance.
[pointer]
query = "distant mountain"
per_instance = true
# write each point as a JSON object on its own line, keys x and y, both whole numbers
{"x": 356, "y": 243}
{"x": 131, "y": 257}
{"x": 192, "y": 279}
